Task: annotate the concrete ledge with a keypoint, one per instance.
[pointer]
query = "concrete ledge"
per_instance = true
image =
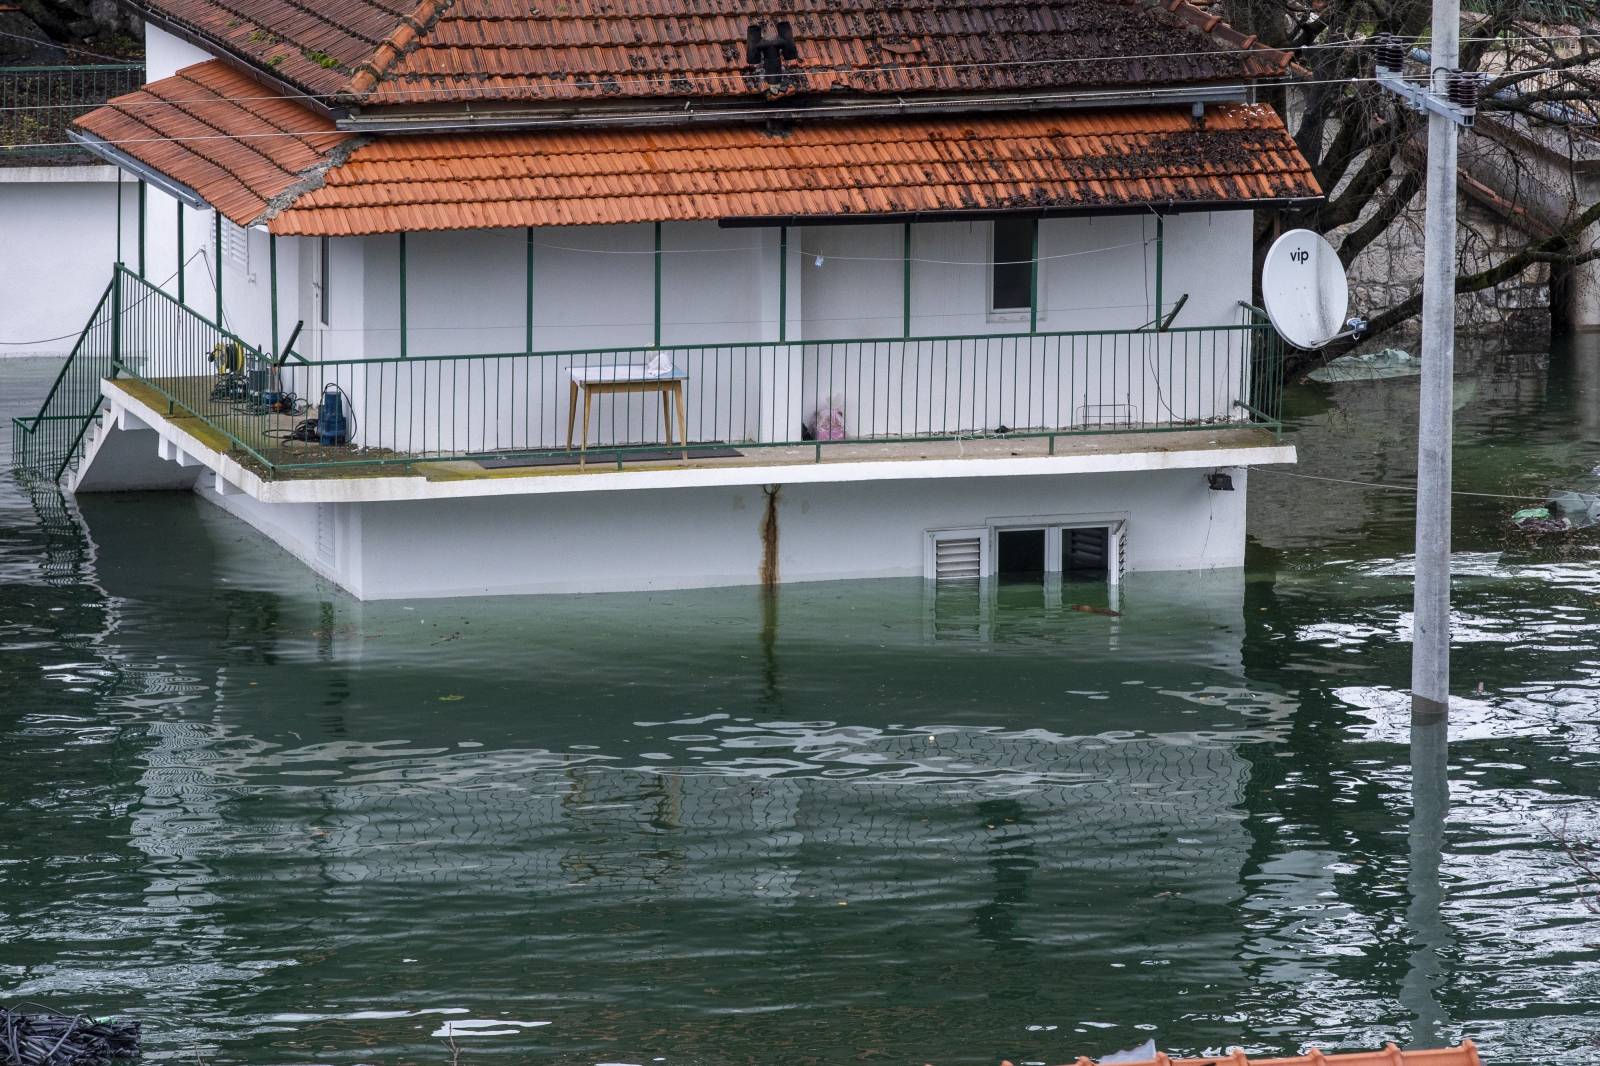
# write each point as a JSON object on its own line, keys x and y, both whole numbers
{"x": 1232, "y": 448}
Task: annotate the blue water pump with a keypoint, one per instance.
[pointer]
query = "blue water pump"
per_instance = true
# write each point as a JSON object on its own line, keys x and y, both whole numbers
{"x": 332, "y": 428}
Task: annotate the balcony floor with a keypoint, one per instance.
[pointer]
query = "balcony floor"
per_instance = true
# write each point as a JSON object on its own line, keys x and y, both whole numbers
{"x": 1124, "y": 441}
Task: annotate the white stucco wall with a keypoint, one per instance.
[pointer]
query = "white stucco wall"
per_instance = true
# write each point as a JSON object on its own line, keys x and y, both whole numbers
{"x": 685, "y": 538}
{"x": 594, "y": 292}
{"x": 58, "y": 230}
{"x": 165, "y": 55}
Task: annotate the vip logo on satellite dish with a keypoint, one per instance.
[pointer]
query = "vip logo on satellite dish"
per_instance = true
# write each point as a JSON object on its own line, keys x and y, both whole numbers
{"x": 1307, "y": 307}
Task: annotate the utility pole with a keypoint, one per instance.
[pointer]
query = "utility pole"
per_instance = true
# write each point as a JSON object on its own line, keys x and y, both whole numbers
{"x": 1449, "y": 98}
{"x": 1430, "y": 630}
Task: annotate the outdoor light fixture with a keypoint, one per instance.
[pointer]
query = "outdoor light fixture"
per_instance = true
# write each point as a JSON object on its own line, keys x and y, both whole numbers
{"x": 1219, "y": 481}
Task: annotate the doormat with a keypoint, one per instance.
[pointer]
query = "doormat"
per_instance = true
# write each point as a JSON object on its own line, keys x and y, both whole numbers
{"x": 600, "y": 456}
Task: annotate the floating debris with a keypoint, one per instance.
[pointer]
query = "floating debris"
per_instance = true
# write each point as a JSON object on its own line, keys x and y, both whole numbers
{"x": 58, "y": 1040}
{"x": 1371, "y": 366}
{"x": 1561, "y": 513}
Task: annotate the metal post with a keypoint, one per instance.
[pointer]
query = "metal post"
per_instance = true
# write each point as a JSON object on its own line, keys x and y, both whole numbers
{"x": 658, "y": 285}
{"x": 1430, "y": 640}
{"x": 403, "y": 330}
{"x": 905, "y": 281}
{"x": 529, "y": 331}
{"x": 142, "y": 199}
{"x": 116, "y": 315}
{"x": 1161, "y": 248}
{"x": 119, "y": 214}
{"x": 1033, "y": 283}
{"x": 783, "y": 284}
{"x": 272, "y": 271}
{"x": 216, "y": 268}
{"x": 180, "y": 250}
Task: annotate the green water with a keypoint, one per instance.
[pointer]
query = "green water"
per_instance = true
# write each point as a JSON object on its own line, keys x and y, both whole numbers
{"x": 863, "y": 823}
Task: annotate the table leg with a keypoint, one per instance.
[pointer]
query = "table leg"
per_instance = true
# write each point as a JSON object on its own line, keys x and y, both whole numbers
{"x": 683, "y": 420}
{"x": 666, "y": 414}
{"x": 572, "y": 412}
{"x": 583, "y": 446}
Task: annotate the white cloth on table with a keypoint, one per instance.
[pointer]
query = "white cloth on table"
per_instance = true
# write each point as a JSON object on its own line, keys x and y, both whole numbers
{"x": 659, "y": 368}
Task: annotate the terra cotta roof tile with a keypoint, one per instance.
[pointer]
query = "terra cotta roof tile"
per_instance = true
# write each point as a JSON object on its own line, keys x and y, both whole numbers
{"x": 273, "y": 160}
{"x": 374, "y": 53}
{"x": 221, "y": 134}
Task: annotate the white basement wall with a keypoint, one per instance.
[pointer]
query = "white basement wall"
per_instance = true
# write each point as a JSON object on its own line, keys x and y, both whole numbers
{"x": 709, "y": 536}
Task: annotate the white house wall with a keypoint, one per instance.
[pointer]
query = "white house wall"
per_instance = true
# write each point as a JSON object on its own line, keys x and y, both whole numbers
{"x": 594, "y": 291}
{"x": 685, "y": 538}
{"x": 58, "y": 227}
{"x": 165, "y": 54}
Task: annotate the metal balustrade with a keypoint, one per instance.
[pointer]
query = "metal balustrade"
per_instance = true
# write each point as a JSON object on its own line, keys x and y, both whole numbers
{"x": 735, "y": 398}
{"x": 38, "y": 104}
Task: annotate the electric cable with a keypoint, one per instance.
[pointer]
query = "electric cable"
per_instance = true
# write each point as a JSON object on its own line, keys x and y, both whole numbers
{"x": 488, "y": 92}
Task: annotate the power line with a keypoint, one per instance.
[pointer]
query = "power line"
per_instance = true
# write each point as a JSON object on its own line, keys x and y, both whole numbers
{"x": 64, "y": 47}
{"x": 1181, "y": 93}
{"x": 717, "y": 79}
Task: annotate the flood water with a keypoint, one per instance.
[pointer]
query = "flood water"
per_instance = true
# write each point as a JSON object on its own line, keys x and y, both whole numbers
{"x": 860, "y": 823}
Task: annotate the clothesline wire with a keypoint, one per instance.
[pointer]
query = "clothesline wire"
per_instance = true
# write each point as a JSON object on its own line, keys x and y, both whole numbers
{"x": 69, "y": 336}
{"x": 1412, "y": 489}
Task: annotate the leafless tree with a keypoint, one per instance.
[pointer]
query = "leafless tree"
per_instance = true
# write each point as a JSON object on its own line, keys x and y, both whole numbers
{"x": 1541, "y": 61}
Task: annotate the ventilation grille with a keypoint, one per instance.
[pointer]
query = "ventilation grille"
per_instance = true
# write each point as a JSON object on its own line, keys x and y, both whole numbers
{"x": 235, "y": 246}
{"x": 958, "y": 558}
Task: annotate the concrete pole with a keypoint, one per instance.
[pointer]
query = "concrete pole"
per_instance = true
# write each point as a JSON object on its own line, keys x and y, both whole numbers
{"x": 1430, "y": 640}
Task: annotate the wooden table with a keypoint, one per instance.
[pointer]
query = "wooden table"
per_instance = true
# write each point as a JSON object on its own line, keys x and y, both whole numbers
{"x": 619, "y": 379}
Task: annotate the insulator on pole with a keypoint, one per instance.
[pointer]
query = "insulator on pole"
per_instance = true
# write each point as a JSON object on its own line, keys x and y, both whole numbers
{"x": 1389, "y": 52}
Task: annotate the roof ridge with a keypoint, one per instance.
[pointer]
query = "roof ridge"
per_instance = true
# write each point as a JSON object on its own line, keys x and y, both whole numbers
{"x": 401, "y": 39}
{"x": 1218, "y": 29}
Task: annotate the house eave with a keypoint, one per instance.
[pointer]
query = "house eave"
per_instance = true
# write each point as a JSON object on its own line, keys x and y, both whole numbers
{"x": 144, "y": 172}
{"x": 1170, "y": 207}
{"x": 689, "y": 112}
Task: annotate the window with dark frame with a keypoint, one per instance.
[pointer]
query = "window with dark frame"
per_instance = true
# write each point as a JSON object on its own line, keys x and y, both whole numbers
{"x": 1011, "y": 258}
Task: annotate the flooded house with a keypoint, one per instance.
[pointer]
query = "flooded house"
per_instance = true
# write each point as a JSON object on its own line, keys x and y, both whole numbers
{"x": 466, "y": 300}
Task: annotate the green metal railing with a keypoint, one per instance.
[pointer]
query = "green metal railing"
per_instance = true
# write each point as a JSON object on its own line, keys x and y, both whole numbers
{"x": 717, "y": 397}
{"x": 47, "y": 444}
{"x": 139, "y": 330}
{"x": 38, "y": 104}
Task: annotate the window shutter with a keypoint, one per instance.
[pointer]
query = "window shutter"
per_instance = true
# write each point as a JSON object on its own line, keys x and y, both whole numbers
{"x": 958, "y": 558}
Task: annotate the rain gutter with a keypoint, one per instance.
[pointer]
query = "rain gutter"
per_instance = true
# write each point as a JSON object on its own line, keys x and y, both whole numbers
{"x": 688, "y": 113}
{"x": 1167, "y": 208}
{"x": 118, "y": 158}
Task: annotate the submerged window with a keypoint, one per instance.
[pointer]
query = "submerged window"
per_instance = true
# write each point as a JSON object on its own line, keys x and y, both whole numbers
{"x": 1019, "y": 553}
{"x": 1011, "y": 256}
{"x": 1086, "y": 553}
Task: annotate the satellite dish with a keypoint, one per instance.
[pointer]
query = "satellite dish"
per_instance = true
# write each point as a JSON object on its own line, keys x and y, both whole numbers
{"x": 1304, "y": 288}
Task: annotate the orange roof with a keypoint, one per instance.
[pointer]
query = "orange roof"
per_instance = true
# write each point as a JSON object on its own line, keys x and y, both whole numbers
{"x": 1075, "y": 159}
{"x": 1465, "y": 1054}
{"x": 282, "y": 163}
{"x": 219, "y": 133}
{"x": 381, "y": 52}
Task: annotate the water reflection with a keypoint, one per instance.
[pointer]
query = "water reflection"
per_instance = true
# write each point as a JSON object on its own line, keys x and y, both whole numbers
{"x": 283, "y": 826}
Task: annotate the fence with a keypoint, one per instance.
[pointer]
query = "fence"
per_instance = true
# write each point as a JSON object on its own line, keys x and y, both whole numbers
{"x": 38, "y": 104}
{"x": 695, "y": 399}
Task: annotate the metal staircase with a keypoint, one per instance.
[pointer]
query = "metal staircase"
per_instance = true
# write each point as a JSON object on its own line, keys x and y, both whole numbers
{"x": 49, "y": 444}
